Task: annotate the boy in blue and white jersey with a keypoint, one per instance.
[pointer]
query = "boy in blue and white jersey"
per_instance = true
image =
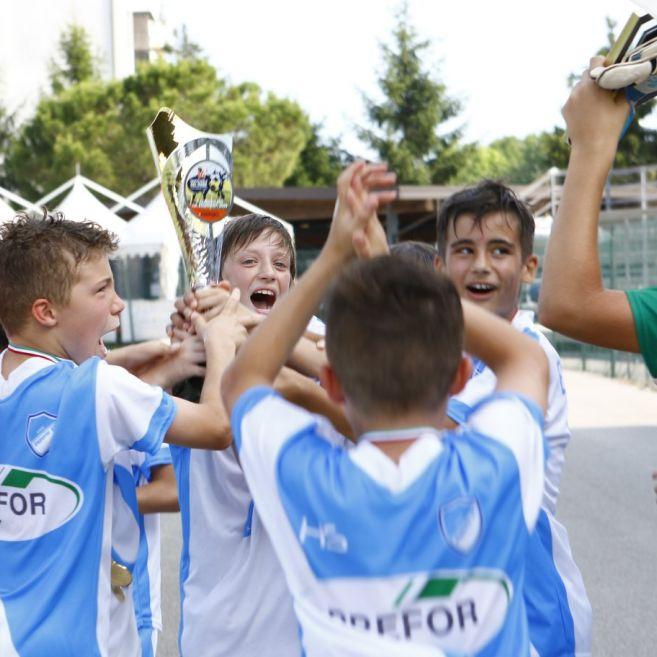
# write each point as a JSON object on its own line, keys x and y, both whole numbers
{"x": 64, "y": 417}
{"x": 226, "y": 553}
{"x": 144, "y": 486}
{"x": 485, "y": 238}
{"x": 414, "y": 541}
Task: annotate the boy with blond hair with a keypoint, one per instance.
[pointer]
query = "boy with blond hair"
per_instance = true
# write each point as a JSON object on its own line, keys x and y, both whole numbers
{"x": 64, "y": 416}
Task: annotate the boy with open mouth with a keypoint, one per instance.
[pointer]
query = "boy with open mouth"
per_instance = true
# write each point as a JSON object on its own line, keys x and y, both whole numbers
{"x": 485, "y": 237}
{"x": 234, "y": 597}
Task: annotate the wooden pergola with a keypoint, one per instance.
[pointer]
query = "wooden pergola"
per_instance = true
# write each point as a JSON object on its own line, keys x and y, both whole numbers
{"x": 411, "y": 216}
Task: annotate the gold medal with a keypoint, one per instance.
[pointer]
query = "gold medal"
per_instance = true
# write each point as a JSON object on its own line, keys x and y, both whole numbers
{"x": 121, "y": 578}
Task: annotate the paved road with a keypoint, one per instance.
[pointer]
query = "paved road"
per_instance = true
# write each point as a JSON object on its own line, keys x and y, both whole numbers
{"x": 607, "y": 504}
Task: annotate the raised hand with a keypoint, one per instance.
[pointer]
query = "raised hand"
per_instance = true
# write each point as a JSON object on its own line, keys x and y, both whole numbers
{"x": 225, "y": 329}
{"x": 362, "y": 189}
{"x": 594, "y": 116}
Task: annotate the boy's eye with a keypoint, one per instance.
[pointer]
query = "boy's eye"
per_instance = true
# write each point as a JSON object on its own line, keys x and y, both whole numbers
{"x": 282, "y": 265}
{"x": 501, "y": 250}
{"x": 248, "y": 261}
{"x": 464, "y": 250}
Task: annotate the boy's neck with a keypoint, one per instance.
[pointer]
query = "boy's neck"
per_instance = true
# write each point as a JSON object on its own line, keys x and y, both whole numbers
{"x": 409, "y": 426}
{"x": 23, "y": 346}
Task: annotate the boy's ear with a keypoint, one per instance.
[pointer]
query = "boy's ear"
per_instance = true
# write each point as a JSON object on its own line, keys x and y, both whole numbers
{"x": 462, "y": 375}
{"x": 44, "y": 312}
{"x": 438, "y": 263}
{"x": 529, "y": 269}
{"x": 331, "y": 384}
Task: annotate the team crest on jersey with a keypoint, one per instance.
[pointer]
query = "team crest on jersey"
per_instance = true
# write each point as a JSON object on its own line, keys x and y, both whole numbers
{"x": 39, "y": 433}
{"x": 460, "y": 522}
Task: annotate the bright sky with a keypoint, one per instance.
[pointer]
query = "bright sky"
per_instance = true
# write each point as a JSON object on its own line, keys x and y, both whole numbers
{"x": 507, "y": 61}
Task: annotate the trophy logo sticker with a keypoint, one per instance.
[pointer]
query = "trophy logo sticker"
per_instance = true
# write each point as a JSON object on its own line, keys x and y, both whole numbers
{"x": 209, "y": 190}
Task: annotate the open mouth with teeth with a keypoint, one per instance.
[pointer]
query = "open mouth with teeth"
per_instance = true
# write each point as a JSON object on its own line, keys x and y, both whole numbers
{"x": 101, "y": 349}
{"x": 263, "y": 300}
{"x": 481, "y": 290}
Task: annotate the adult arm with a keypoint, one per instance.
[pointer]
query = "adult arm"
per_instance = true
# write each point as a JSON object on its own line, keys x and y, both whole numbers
{"x": 573, "y": 299}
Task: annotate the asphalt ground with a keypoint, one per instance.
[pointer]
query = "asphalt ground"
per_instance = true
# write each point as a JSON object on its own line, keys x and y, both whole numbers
{"x": 607, "y": 504}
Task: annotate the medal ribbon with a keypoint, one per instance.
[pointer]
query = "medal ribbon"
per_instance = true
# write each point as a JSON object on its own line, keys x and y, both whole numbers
{"x": 35, "y": 353}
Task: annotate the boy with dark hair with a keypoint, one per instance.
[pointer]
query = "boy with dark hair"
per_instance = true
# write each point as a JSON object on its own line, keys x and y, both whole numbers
{"x": 64, "y": 417}
{"x": 492, "y": 207}
{"x": 413, "y": 542}
{"x": 485, "y": 236}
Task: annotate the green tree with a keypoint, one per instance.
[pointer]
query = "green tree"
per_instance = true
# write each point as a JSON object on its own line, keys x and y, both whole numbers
{"x": 319, "y": 163}
{"x": 406, "y": 124}
{"x": 514, "y": 160}
{"x": 183, "y": 46}
{"x": 75, "y": 61}
{"x": 101, "y": 125}
{"x": 7, "y": 129}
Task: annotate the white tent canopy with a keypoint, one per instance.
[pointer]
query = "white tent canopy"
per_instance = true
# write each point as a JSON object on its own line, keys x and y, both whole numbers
{"x": 80, "y": 205}
{"x": 152, "y": 233}
{"x": 6, "y": 211}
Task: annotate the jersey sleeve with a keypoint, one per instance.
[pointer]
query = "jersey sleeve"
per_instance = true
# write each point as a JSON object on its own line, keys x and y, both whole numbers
{"x": 161, "y": 457}
{"x": 644, "y": 310}
{"x": 130, "y": 414}
{"x": 480, "y": 385}
{"x": 516, "y": 423}
{"x": 262, "y": 421}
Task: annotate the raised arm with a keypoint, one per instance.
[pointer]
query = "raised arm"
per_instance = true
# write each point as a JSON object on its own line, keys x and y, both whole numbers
{"x": 573, "y": 299}
{"x": 519, "y": 363}
{"x": 270, "y": 346}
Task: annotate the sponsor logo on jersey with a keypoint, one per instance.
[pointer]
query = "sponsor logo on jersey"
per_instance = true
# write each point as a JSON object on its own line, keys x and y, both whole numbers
{"x": 456, "y": 611}
{"x": 40, "y": 430}
{"x": 460, "y": 522}
{"x": 327, "y": 536}
{"x": 33, "y": 503}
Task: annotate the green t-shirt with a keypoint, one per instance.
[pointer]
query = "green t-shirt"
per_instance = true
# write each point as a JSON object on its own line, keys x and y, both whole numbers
{"x": 644, "y": 308}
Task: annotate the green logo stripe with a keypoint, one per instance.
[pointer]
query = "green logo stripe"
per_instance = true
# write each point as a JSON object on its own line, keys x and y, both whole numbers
{"x": 22, "y": 478}
{"x": 438, "y": 588}
{"x": 404, "y": 591}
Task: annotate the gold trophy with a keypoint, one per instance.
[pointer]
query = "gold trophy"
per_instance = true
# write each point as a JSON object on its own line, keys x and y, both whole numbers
{"x": 196, "y": 172}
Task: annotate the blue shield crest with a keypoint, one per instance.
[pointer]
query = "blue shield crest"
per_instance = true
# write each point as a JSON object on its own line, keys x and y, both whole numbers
{"x": 461, "y": 522}
{"x": 40, "y": 430}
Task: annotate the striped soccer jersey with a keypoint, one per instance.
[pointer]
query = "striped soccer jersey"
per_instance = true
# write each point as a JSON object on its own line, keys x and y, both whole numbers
{"x": 558, "y": 608}
{"x": 424, "y": 557}
{"x": 62, "y": 427}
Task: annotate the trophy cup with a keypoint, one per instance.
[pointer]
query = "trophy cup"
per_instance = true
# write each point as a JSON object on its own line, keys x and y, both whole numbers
{"x": 196, "y": 172}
